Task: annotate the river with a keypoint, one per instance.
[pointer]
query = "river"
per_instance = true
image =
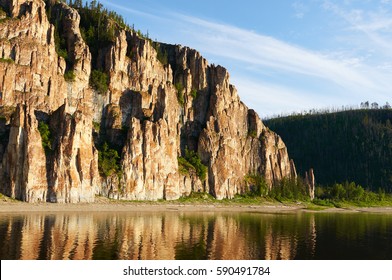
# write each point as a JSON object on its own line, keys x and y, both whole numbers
{"x": 189, "y": 235}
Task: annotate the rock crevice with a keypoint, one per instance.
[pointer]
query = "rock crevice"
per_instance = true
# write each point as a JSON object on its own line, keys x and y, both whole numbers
{"x": 153, "y": 111}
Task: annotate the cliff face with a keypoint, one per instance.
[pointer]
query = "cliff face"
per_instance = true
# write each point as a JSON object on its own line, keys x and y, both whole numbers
{"x": 152, "y": 113}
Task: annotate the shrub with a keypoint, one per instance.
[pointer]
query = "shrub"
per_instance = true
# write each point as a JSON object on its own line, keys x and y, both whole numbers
{"x": 180, "y": 93}
{"x": 290, "y": 188}
{"x": 184, "y": 166}
{"x": 108, "y": 161}
{"x": 191, "y": 161}
{"x": 161, "y": 56}
{"x": 194, "y": 93}
{"x": 99, "y": 81}
{"x": 6, "y": 60}
{"x": 46, "y": 136}
{"x": 96, "y": 126}
{"x": 69, "y": 76}
{"x": 252, "y": 133}
{"x": 63, "y": 53}
{"x": 256, "y": 184}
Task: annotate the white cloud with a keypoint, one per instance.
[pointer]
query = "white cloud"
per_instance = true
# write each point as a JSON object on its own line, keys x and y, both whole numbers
{"x": 264, "y": 51}
{"x": 130, "y": 10}
{"x": 315, "y": 79}
{"x": 374, "y": 25}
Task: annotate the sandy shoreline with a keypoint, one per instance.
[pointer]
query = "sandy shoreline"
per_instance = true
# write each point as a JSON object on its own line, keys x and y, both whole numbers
{"x": 19, "y": 207}
{"x": 103, "y": 205}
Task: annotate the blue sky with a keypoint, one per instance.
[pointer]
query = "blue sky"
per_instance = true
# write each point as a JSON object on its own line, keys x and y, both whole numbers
{"x": 284, "y": 55}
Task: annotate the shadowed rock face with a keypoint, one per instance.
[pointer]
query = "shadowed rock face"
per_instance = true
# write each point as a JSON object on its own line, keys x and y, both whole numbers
{"x": 151, "y": 112}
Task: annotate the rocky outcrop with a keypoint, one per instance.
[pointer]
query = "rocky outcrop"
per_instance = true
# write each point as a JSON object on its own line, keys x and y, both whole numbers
{"x": 23, "y": 170}
{"x": 33, "y": 73}
{"x": 310, "y": 182}
{"x": 73, "y": 172}
{"x": 162, "y": 100}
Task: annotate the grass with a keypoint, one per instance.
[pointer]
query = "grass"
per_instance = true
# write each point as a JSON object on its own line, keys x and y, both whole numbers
{"x": 7, "y": 198}
{"x": 203, "y": 198}
{"x": 314, "y": 207}
{"x": 327, "y": 203}
{"x": 238, "y": 200}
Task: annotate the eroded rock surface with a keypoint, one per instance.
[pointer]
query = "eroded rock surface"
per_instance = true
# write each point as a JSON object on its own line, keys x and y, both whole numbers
{"x": 152, "y": 112}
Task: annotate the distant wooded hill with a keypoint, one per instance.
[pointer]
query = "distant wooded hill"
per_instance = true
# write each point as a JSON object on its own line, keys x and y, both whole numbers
{"x": 354, "y": 145}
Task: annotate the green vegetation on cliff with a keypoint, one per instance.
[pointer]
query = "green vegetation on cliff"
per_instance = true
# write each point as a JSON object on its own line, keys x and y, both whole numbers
{"x": 99, "y": 81}
{"x": 108, "y": 161}
{"x": 6, "y": 60}
{"x": 191, "y": 163}
{"x": 69, "y": 76}
{"x": 162, "y": 55}
{"x": 180, "y": 93}
{"x": 56, "y": 17}
{"x": 353, "y": 146}
{"x": 98, "y": 27}
{"x": 46, "y": 136}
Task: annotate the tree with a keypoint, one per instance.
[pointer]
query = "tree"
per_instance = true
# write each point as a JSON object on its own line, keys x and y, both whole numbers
{"x": 108, "y": 161}
{"x": 365, "y": 105}
{"x": 99, "y": 81}
{"x": 338, "y": 192}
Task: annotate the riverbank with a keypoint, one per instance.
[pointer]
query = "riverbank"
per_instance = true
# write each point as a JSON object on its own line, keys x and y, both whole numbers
{"x": 108, "y": 205}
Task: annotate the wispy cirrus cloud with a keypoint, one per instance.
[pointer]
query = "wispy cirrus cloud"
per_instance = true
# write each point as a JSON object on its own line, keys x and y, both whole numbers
{"x": 274, "y": 75}
{"x": 373, "y": 26}
{"x": 264, "y": 51}
{"x": 131, "y": 11}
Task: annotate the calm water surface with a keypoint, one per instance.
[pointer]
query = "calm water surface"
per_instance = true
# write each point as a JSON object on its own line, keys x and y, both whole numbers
{"x": 177, "y": 235}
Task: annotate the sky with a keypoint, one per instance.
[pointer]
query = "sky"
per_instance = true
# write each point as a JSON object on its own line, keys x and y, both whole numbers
{"x": 283, "y": 56}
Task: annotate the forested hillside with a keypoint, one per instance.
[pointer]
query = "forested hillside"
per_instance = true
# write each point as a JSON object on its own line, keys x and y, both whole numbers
{"x": 353, "y": 145}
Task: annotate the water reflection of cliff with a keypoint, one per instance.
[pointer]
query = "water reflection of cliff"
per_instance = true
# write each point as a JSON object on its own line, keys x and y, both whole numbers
{"x": 162, "y": 236}
{"x": 154, "y": 236}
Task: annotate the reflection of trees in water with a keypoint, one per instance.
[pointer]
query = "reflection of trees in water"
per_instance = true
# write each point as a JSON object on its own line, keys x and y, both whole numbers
{"x": 174, "y": 235}
{"x": 291, "y": 237}
{"x": 354, "y": 236}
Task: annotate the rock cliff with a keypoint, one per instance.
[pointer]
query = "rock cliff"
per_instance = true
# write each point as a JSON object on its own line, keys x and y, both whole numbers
{"x": 167, "y": 124}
